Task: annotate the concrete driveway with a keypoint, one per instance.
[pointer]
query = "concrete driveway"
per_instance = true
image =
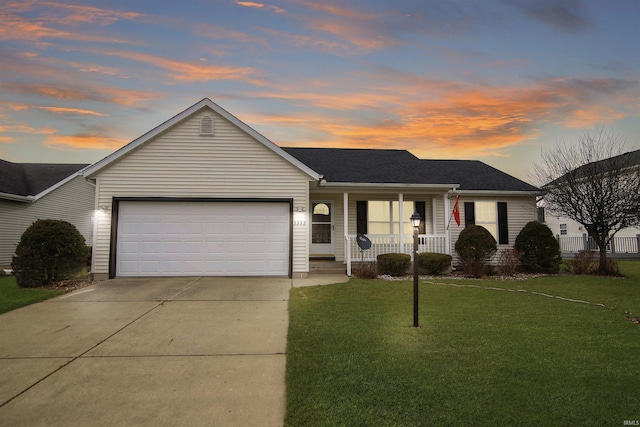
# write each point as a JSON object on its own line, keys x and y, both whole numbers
{"x": 154, "y": 351}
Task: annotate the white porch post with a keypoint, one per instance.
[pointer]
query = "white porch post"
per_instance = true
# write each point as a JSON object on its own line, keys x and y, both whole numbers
{"x": 346, "y": 241}
{"x": 401, "y": 225}
{"x": 434, "y": 215}
{"x": 447, "y": 233}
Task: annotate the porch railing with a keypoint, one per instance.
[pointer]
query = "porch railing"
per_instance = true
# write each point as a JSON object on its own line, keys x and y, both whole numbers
{"x": 390, "y": 243}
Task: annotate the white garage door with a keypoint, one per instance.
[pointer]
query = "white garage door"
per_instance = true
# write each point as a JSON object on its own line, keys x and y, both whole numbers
{"x": 162, "y": 238}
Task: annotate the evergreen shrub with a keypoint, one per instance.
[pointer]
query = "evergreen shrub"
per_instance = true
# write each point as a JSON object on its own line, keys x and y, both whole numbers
{"x": 475, "y": 246}
{"x": 434, "y": 263}
{"x": 538, "y": 248}
{"x": 394, "y": 264}
{"x": 49, "y": 251}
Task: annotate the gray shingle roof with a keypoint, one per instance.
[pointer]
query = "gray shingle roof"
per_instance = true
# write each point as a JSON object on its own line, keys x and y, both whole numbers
{"x": 402, "y": 167}
{"x": 30, "y": 179}
{"x": 623, "y": 161}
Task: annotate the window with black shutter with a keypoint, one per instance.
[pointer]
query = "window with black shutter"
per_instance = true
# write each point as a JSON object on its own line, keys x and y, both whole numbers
{"x": 469, "y": 213}
{"x": 490, "y": 215}
{"x": 503, "y": 229}
{"x": 361, "y": 217}
{"x": 421, "y": 208}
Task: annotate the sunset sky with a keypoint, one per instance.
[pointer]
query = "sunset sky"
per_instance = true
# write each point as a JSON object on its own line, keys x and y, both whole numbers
{"x": 490, "y": 80}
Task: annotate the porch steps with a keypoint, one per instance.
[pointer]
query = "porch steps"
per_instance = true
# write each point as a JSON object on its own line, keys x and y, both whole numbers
{"x": 326, "y": 267}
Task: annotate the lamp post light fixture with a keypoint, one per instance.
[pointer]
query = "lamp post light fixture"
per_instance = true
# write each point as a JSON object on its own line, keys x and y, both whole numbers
{"x": 415, "y": 222}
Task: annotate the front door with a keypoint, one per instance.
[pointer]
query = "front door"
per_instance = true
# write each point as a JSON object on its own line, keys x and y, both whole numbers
{"x": 321, "y": 229}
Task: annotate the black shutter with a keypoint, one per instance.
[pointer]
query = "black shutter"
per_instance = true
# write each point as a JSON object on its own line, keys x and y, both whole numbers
{"x": 469, "y": 213}
{"x": 503, "y": 229}
{"x": 361, "y": 216}
{"x": 421, "y": 209}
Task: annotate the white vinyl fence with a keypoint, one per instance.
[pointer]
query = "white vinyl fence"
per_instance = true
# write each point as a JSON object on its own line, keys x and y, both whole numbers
{"x": 620, "y": 245}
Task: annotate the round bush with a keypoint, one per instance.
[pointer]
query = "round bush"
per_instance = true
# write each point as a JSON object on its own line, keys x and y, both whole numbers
{"x": 49, "y": 250}
{"x": 394, "y": 264}
{"x": 539, "y": 250}
{"x": 475, "y": 243}
{"x": 433, "y": 263}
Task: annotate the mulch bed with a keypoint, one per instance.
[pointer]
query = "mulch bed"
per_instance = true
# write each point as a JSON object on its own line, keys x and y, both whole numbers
{"x": 68, "y": 285}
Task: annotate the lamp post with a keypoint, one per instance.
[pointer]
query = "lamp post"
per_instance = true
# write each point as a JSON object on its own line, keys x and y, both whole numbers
{"x": 415, "y": 222}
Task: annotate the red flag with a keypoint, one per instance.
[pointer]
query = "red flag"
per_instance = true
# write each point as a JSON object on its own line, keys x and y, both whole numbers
{"x": 456, "y": 211}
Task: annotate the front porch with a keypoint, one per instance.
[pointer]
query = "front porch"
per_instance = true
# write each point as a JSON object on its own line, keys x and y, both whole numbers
{"x": 336, "y": 220}
{"x": 391, "y": 243}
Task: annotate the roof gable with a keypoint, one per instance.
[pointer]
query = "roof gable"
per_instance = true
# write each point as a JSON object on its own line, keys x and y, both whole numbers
{"x": 194, "y": 109}
{"x": 23, "y": 181}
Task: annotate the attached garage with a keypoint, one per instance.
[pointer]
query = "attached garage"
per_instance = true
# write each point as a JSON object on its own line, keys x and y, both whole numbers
{"x": 201, "y": 237}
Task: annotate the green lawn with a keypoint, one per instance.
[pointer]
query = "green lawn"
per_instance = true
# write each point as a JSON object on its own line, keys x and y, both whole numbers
{"x": 12, "y": 297}
{"x": 483, "y": 356}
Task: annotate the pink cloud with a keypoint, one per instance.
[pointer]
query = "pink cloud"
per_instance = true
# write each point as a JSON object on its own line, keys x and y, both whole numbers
{"x": 84, "y": 141}
{"x": 259, "y": 6}
{"x": 65, "y": 110}
{"x": 191, "y": 72}
{"x": 476, "y": 121}
{"x": 51, "y": 15}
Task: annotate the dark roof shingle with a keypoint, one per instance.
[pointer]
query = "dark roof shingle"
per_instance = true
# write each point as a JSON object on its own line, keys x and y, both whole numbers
{"x": 30, "y": 179}
{"x": 401, "y": 167}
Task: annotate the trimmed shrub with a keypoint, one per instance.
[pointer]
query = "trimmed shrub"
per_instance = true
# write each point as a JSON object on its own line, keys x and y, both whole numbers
{"x": 508, "y": 261}
{"x": 587, "y": 262}
{"x": 539, "y": 250}
{"x": 584, "y": 262}
{"x": 474, "y": 246}
{"x": 434, "y": 263}
{"x": 366, "y": 270}
{"x": 49, "y": 251}
{"x": 613, "y": 268}
{"x": 394, "y": 264}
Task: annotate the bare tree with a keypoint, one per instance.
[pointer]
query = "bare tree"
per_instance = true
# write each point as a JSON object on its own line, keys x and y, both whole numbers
{"x": 593, "y": 183}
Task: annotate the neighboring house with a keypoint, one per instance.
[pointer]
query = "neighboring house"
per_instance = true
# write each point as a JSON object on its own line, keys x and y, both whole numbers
{"x": 573, "y": 237}
{"x": 205, "y": 194}
{"x": 31, "y": 191}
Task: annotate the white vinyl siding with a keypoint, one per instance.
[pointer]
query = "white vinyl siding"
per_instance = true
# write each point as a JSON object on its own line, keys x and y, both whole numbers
{"x": 180, "y": 163}
{"x": 72, "y": 202}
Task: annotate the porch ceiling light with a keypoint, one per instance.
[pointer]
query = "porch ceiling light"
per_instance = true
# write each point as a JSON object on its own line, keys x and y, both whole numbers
{"x": 415, "y": 219}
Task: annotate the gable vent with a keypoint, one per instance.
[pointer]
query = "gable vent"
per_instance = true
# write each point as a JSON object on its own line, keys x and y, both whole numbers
{"x": 206, "y": 125}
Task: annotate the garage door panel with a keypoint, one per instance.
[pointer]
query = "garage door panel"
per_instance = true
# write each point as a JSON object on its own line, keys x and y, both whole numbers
{"x": 202, "y": 238}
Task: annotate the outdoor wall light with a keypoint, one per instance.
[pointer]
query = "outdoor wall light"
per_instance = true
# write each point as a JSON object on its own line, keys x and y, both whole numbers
{"x": 299, "y": 218}
{"x": 415, "y": 222}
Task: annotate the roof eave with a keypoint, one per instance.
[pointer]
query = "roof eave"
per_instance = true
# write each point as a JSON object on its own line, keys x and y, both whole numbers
{"x": 500, "y": 192}
{"x": 393, "y": 185}
{"x": 16, "y": 197}
{"x": 58, "y": 184}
